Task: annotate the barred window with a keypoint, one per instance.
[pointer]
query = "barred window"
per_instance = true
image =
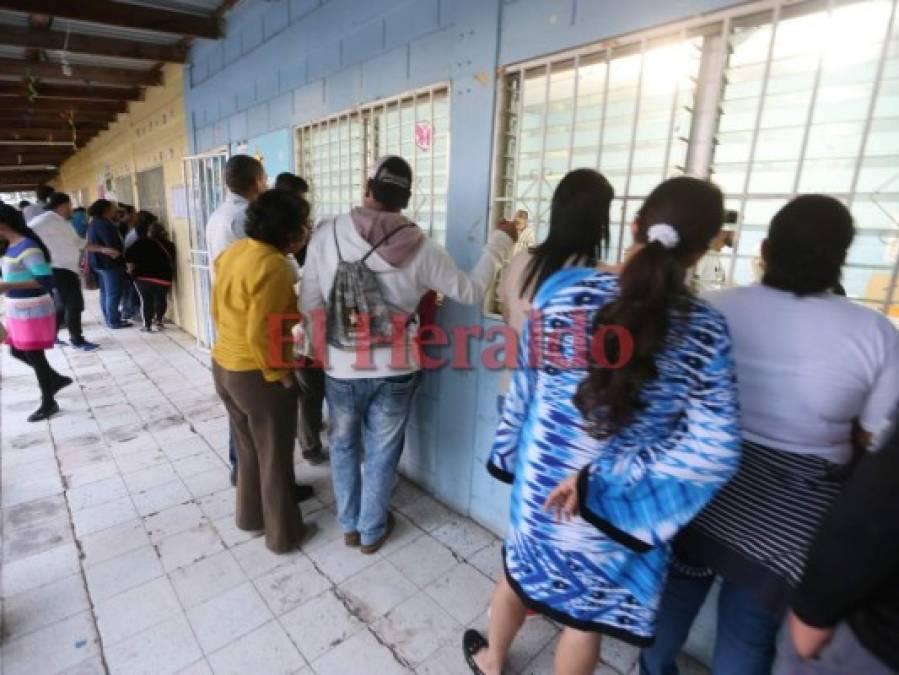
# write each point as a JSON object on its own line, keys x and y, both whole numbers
{"x": 769, "y": 100}
{"x": 334, "y": 154}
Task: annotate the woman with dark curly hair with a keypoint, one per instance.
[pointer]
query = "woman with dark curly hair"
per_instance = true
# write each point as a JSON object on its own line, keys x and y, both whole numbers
{"x": 608, "y": 463}
{"x": 253, "y": 291}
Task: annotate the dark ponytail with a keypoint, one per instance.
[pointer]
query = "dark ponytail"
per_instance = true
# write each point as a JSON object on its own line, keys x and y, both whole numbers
{"x": 652, "y": 284}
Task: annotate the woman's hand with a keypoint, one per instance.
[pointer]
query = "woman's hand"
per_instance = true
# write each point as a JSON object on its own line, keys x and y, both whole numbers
{"x": 563, "y": 500}
{"x": 288, "y": 380}
{"x": 111, "y": 252}
{"x": 808, "y": 640}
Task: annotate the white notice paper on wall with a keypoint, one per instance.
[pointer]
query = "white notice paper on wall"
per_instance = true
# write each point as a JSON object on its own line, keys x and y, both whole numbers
{"x": 179, "y": 201}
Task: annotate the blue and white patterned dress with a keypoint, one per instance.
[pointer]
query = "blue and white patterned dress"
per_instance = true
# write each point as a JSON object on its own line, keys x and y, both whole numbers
{"x": 604, "y": 570}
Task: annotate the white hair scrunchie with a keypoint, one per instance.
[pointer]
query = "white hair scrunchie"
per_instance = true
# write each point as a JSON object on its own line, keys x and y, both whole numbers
{"x": 664, "y": 234}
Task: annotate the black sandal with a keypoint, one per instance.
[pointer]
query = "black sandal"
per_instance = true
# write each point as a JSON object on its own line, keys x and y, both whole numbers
{"x": 472, "y": 643}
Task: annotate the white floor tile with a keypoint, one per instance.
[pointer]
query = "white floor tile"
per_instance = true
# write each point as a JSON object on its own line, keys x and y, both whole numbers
{"x": 114, "y": 576}
{"x": 376, "y": 590}
{"x": 161, "y": 497}
{"x": 36, "y": 570}
{"x": 206, "y": 461}
{"x": 97, "y": 518}
{"x": 39, "y": 607}
{"x": 189, "y": 546}
{"x": 97, "y": 493}
{"x": 174, "y": 520}
{"x": 423, "y": 560}
{"x": 339, "y": 562}
{"x": 228, "y": 616}
{"x": 206, "y": 579}
{"x": 359, "y": 654}
{"x": 144, "y": 479}
{"x": 463, "y": 592}
{"x": 463, "y": 536}
{"x": 417, "y": 628}
{"x": 52, "y": 649}
{"x": 219, "y": 504}
{"x": 231, "y": 534}
{"x": 167, "y": 647}
{"x": 113, "y": 542}
{"x": 427, "y": 513}
{"x": 290, "y": 585}
{"x": 208, "y": 482}
{"x": 320, "y": 625}
{"x": 265, "y": 650}
{"x": 135, "y": 610}
{"x": 255, "y": 559}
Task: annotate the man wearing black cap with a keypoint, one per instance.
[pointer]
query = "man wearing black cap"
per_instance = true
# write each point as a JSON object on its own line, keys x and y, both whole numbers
{"x": 373, "y": 401}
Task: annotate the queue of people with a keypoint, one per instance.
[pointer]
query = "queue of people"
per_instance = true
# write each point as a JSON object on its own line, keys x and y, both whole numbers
{"x": 52, "y": 233}
{"x": 657, "y": 442}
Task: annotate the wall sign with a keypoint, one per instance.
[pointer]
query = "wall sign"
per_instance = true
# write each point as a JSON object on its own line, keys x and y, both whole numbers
{"x": 424, "y": 135}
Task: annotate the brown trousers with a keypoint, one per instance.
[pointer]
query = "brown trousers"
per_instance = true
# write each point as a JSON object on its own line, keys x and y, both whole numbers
{"x": 264, "y": 422}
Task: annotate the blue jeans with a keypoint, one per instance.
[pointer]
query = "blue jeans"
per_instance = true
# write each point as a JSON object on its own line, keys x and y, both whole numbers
{"x": 372, "y": 411}
{"x": 111, "y": 284}
{"x": 746, "y": 635}
{"x": 232, "y": 448}
{"x": 130, "y": 299}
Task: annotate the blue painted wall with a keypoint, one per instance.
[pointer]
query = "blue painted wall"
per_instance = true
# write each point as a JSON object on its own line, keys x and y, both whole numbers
{"x": 274, "y": 150}
{"x": 284, "y": 62}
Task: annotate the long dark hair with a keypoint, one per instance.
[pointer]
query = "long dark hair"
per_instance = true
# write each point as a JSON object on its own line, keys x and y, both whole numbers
{"x": 578, "y": 227}
{"x": 12, "y": 218}
{"x": 807, "y": 245}
{"x": 652, "y": 284}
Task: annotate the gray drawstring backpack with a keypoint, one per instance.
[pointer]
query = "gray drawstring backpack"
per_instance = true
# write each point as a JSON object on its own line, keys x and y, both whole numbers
{"x": 357, "y": 315}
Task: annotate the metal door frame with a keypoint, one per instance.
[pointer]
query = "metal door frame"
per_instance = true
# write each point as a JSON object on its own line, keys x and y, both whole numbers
{"x": 204, "y": 185}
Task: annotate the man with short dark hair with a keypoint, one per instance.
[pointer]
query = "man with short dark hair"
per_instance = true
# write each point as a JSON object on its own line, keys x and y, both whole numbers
{"x": 246, "y": 180}
{"x": 32, "y": 211}
{"x": 290, "y": 182}
{"x": 372, "y": 401}
{"x": 65, "y": 250}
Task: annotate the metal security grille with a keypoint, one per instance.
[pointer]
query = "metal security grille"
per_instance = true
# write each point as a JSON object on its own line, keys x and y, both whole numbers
{"x": 205, "y": 184}
{"x": 334, "y": 154}
{"x": 770, "y": 100}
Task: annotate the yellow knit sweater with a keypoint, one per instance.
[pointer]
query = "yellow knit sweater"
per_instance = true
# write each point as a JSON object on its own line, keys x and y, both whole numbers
{"x": 254, "y": 306}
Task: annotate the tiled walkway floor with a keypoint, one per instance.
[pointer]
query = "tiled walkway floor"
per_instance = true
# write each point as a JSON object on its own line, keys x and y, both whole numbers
{"x": 120, "y": 554}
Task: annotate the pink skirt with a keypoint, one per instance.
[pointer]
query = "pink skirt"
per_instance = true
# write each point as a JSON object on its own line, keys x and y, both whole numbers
{"x": 30, "y": 323}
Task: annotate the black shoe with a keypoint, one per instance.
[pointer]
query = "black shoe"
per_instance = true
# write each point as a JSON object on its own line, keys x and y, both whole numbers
{"x": 303, "y": 492}
{"x": 46, "y": 411}
{"x": 60, "y": 382}
{"x": 317, "y": 456}
{"x": 233, "y": 476}
{"x": 472, "y": 643}
{"x": 122, "y": 324}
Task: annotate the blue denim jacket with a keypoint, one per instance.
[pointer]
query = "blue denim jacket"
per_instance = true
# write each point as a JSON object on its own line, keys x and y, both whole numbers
{"x": 104, "y": 233}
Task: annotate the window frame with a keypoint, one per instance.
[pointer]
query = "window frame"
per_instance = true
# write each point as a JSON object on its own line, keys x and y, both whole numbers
{"x": 709, "y": 94}
{"x": 368, "y": 114}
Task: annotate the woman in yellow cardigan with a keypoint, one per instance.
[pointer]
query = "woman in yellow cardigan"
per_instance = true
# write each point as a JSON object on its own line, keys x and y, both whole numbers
{"x": 254, "y": 290}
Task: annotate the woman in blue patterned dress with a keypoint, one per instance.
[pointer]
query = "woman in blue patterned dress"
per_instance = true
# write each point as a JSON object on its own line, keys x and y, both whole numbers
{"x": 608, "y": 463}
{"x": 30, "y": 310}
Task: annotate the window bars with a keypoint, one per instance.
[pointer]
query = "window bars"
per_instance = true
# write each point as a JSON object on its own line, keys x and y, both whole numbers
{"x": 334, "y": 154}
{"x": 770, "y": 100}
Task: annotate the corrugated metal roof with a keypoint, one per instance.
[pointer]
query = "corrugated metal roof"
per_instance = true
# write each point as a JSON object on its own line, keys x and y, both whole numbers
{"x": 54, "y": 56}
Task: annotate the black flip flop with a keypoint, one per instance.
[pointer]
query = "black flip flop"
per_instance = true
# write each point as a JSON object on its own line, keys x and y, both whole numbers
{"x": 472, "y": 643}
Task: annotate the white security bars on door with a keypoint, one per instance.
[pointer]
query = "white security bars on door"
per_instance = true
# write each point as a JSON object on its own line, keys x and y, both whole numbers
{"x": 769, "y": 99}
{"x": 334, "y": 154}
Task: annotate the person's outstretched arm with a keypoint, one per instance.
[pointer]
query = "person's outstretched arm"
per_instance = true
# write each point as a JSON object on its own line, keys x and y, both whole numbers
{"x": 441, "y": 273}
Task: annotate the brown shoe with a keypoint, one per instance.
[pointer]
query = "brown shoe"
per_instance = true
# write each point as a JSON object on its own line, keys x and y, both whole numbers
{"x": 369, "y": 549}
{"x": 351, "y": 539}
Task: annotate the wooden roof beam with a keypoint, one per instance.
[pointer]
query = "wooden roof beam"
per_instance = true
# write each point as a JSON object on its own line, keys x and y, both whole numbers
{"x": 126, "y": 16}
{"x": 50, "y": 134}
{"x": 22, "y": 104}
{"x": 73, "y": 91}
{"x": 20, "y": 36}
{"x": 93, "y": 74}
